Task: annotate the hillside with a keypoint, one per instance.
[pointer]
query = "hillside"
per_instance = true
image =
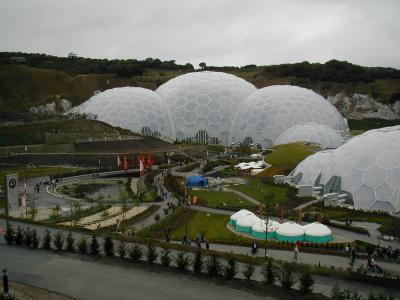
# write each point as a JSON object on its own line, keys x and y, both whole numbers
{"x": 45, "y": 79}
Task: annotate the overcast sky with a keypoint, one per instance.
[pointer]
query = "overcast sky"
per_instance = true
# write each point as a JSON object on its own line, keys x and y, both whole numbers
{"x": 218, "y": 32}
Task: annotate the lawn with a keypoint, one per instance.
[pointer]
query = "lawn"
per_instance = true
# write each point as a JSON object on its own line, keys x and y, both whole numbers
{"x": 270, "y": 194}
{"x": 224, "y": 200}
{"x": 211, "y": 226}
{"x": 390, "y": 225}
{"x": 286, "y": 157}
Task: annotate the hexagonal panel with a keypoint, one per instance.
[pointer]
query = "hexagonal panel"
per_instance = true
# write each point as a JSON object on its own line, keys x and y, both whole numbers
{"x": 383, "y": 192}
{"x": 374, "y": 176}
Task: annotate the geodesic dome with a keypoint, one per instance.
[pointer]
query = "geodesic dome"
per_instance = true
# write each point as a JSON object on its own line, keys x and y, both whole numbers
{"x": 367, "y": 167}
{"x": 320, "y": 134}
{"x": 268, "y": 112}
{"x": 203, "y": 104}
{"x": 138, "y": 109}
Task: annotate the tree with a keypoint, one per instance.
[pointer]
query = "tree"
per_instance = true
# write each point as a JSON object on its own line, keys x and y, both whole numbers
{"x": 100, "y": 201}
{"x": 213, "y": 266}
{"x": 27, "y": 237}
{"x": 94, "y": 246}
{"x": 55, "y": 211}
{"x": 203, "y": 65}
{"x": 19, "y": 236}
{"x": 182, "y": 261}
{"x": 231, "y": 269}
{"x": 198, "y": 262}
{"x": 165, "y": 257}
{"x": 32, "y": 210}
{"x": 248, "y": 271}
{"x": 10, "y": 235}
{"x": 58, "y": 241}
{"x": 306, "y": 281}
{"x": 121, "y": 248}
{"x": 47, "y": 240}
{"x": 108, "y": 246}
{"x": 136, "y": 253}
{"x": 70, "y": 243}
{"x": 76, "y": 213}
{"x": 82, "y": 246}
{"x": 151, "y": 253}
{"x": 286, "y": 275}
{"x": 268, "y": 273}
{"x": 35, "y": 239}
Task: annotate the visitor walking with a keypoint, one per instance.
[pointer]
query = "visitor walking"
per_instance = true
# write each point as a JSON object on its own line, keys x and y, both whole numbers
{"x": 207, "y": 245}
{"x": 296, "y": 253}
{"x": 353, "y": 254}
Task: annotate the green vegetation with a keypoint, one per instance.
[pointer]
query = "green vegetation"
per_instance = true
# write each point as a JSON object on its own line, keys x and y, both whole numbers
{"x": 390, "y": 224}
{"x": 211, "y": 226}
{"x": 146, "y": 190}
{"x": 285, "y": 158}
{"x": 189, "y": 167}
{"x": 224, "y": 200}
{"x": 59, "y": 131}
{"x": 371, "y": 123}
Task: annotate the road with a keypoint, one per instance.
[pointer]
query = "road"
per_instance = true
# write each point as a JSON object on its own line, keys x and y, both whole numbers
{"x": 90, "y": 279}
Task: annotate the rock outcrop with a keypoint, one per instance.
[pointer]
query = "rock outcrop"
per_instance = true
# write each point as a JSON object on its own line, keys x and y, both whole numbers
{"x": 361, "y": 106}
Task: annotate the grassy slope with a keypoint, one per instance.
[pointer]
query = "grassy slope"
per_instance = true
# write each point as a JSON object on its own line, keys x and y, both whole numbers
{"x": 22, "y": 87}
{"x": 285, "y": 158}
{"x": 225, "y": 200}
{"x": 34, "y": 134}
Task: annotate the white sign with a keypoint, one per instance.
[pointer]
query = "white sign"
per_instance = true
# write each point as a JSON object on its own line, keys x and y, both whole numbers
{"x": 12, "y": 189}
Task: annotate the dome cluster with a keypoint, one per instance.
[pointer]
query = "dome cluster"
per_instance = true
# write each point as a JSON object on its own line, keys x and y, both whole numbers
{"x": 215, "y": 107}
{"x": 366, "y": 168}
{"x": 245, "y": 221}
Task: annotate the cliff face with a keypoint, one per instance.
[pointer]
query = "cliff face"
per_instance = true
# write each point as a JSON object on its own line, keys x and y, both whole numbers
{"x": 361, "y": 106}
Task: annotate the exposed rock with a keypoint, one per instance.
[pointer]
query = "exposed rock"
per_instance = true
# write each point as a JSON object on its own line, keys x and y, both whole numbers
{"x": 363, "y": 106}
{"x": 66, "y": 105}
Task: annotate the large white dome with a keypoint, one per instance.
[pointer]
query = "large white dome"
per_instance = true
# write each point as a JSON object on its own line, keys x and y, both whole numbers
{"x": 320, "y": 134}
{"x": 138, "y": 109}
{"x": 206, "y": 102}
{"x": 269, "y": 111}
{"x": 367, "y": 167}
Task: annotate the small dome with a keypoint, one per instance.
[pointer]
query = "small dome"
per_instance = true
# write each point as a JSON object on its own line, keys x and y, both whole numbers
{"x": 260, "y": 226}
{"x": 290, "y": 229}
{"x": 319, "y": 134}
{"x": 247, "y": 220}
{"x": 239, "y": 213}
{"x": 317, "y": 229}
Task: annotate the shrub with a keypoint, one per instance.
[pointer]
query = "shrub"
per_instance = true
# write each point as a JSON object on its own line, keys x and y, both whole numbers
{"x": 230, "y": 269}
{"x": 248, "y": 271}
{"x": 19, "y": 236}
{"x": 381, "y": 295}
{"x": 136, "y": 253}
{"x": 70, "y": 243}
{"x": 47, "y": 240}
{"x": 121, "y": 248}
{"x": 182, "y": 261}
{"x": 58, "y": 241}
{"x": 9, "y": 235}
{"x": 27, "y": 237}
{"x": 82, "y": 246}
{"x": 344, "y": 294}
{"x": 94, "y": 246}
{"x": 306, "y": 281}
{"x": 108, "y": 246}
{"x": 286, "y": 275}
{"x": 213, "y": 266}
{"x": 35, "y": 239}
{"x": 198, "y": 262}
{"x": 157, "y": 217}
{"x": 268, "y": 273}
{"x": 165, "y": 257}
{"x": 151, "y": 253}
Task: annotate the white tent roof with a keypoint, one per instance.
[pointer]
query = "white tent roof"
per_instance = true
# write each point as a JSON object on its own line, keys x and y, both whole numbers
{"x": 316, "y": 229}
{"x": 240, "y": 213}
{"x": 260, "y": 226}
{"x": 247, "y": 220}
{"x": 290, "y": 229}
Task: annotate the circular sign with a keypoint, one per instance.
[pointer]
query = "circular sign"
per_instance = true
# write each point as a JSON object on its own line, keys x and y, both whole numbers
{"x": 12, "y": 183}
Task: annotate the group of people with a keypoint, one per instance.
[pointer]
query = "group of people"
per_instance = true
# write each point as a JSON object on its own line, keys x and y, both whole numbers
{"x": 352, "y": 252}
{"x": 46, "y": 182}
{"x": 198, "y": 241}
{"x": 386, "y": 252}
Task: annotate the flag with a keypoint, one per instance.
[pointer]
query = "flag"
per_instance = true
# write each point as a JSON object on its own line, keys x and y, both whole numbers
{"x": 118, "y": 162}
{"x": 133, "y": 164}
{"x": 125, "y": 164}
{"x": 150, "y": 160}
